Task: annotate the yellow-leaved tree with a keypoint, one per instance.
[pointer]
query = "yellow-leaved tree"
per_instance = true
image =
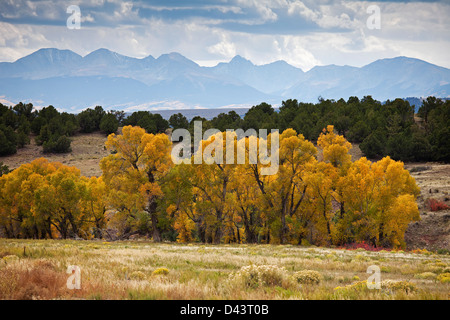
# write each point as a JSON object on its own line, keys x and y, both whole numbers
{"x": 133, "y": 174}
{"x": 94, "y": 207}
{"x": 282, "y": 194}
{"x": 43, "y": 199}
{"x": 380, "y": 201}
{"x": 59, "y": 198}
{"x": 210, "y": 181}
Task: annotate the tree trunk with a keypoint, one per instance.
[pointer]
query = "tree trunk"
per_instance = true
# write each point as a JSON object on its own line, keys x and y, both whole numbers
{"x": 36, "y": 234}
{"x": 8, "y": 234}
{"x": 284, "y": 228}
{"x": 49, "y": 228}
{"x": 218, "y": 233}
{"x": 250, "y": 236}
{"x": 300, "y": 238}
{"x": 73, "y": 224}
{"x": 156, "y": 234}
{"x": 151, "y": 209}
{"x": 98, "y": 229}
{"x": 326, "y": 220}
{"x": 201, "y": 231}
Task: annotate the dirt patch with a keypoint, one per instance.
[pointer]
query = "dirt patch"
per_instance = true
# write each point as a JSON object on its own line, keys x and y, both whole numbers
{"x": 87, "y": 151}
{"x": 356, "y": 152}
{"x": 433, "y": 231}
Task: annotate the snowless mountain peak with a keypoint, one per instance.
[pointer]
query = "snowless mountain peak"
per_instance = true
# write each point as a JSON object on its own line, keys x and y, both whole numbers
{"x": 104, "y": 77}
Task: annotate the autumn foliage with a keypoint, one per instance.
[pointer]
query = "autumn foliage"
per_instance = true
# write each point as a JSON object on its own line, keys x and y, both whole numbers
{"x": 318, "y": 195}
{"x": 436, "y": 205}
{"x": 48, "y": 200}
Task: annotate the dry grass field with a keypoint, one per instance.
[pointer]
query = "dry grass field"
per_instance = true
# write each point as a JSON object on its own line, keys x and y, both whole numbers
{"x": 31, "y": 269}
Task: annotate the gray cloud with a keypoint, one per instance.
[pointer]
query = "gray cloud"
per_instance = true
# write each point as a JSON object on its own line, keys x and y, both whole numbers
{"x": 304, "y": 33}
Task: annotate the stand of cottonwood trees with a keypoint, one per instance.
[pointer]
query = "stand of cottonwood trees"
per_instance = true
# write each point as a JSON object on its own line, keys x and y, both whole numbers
{"x": 318, "y": 196}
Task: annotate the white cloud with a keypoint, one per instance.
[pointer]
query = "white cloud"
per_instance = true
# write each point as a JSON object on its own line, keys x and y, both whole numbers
{"x": 299, "y": 8}
{"x": 325, "y": 16}
{"x": 412, "y": 29}
{"x": 224, "y": 48}
{"x": 17, "y": 41}
{"x": 294, "y": 52}
{"x": 263, "y": 9}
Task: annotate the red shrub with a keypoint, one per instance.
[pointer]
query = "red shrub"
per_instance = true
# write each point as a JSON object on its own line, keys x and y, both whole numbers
{"x": 436, "y": 205}
{"x": 362, "y": 245}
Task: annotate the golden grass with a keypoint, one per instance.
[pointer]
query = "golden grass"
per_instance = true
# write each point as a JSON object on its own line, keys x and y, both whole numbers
{"x": 36, "y": 269}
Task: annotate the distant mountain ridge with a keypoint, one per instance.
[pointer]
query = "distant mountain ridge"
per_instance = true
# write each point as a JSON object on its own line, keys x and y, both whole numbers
{"x": 71, "y": 82}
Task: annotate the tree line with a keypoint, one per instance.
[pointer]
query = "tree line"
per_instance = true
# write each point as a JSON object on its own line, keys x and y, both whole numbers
{"x": 318, "y": 196}
{"x": 389, "y": 129}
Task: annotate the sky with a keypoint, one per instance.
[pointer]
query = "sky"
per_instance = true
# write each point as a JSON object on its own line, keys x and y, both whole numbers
{"x": 304, "y": 33}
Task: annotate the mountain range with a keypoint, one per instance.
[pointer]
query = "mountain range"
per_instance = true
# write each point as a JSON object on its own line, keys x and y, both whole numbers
{"x": 71, "y": 82}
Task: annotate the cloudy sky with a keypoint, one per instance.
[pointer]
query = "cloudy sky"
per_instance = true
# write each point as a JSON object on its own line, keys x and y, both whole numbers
{"x": 304, "y": 33}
